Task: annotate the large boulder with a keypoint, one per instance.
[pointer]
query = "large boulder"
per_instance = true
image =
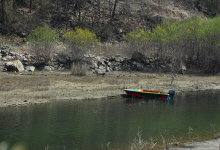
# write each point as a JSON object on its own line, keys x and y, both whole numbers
{"x": 15, "y": 65}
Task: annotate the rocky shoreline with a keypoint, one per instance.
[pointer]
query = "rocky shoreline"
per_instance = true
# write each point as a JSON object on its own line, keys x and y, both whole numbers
{"x": 18, "y": 62}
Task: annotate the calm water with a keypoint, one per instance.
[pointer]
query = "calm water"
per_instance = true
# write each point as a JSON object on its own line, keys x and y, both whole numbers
{"x": 94, "y": 124}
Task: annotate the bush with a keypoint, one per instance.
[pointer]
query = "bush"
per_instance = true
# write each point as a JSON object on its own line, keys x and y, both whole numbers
{"x": 43, "y": 52}
{"x": 79, "y": 69}
{"x": 81, "y": 37}
{"x": 79, "y": 42}
{"x": 42, "y": 43}
{"x": 194, "y": 42}
{"x": 43, "y": 34}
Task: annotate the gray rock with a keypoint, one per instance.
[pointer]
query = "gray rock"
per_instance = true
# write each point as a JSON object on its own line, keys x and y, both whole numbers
{"x": 9, "y": 57}
{"x": 15, "y": 65}
{"x": 5, "y": 50}
{"x": 138, "y": 67}
{"x": 30, "y": 68}
{"x": 5, "y": 47}
{"x": 45, "y": 68}
{"x": 100, "y": 71}
{"x": 25, "y": 59}
{"x": 4, "y": 59}
{"x": 182, "y": 69}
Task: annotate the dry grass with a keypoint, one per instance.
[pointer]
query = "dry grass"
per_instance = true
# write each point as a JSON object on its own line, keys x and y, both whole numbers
{"x": 79, "y": 69}
{"x": 140, "y": 144}
{"x": 8, "y": 83}
{"x": 48, "y": 86}
{"x": 109, "y": 49}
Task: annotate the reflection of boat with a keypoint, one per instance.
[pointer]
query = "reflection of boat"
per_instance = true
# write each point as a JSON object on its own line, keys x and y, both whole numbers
{"x": 150, "y": 94}
{"x": 134, "y": 100}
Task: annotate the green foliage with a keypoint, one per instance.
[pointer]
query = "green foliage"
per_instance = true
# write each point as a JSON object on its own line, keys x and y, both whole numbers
{"x": 43, "y": 34}
{"x": 202, "y": 29}
{"x": 194, "y": 41}
{"x": 43, "y": 39}
{"x": 81, "y": 37}
{"x": 137, "y": 36}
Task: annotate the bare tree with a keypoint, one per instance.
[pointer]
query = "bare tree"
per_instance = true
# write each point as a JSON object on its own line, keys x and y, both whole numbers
{"x": 114, "y": 9}
{"x": 30, "y": 6}
{"x": 43, "y": 52}
{"x": 218, "y": 6}
{"x": 14, "y": 4}
{"x": 78, "y": 7}
{"x": 3, "y": 11}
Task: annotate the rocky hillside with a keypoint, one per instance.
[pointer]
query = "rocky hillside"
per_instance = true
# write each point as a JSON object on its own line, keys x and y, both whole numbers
{"x": 109, "y": 19}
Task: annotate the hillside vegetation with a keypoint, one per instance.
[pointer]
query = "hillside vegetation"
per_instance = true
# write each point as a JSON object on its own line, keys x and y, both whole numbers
{"x": 172, "y": 32}
{"x": 109, "y": 19}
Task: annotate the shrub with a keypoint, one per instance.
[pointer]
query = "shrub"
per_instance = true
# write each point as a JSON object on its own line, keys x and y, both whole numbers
{"x": 194, "y": 42}
{"x": 43, "y": 34}
{"x": 78, "y": 41}
{"x": 79, "y": 69}
{"x": 81, "y": 37}
{"x": 42, "y": 43}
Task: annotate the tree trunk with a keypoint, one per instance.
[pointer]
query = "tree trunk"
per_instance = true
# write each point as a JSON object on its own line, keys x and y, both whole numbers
{"x": 218, "y": 6}
{"x": 14, "y": 4}
{"x": 113, "y": 12}
{"x": 79, "y": 10}
{"x": 3, "y": 11}
{"x": 30, "y": 7}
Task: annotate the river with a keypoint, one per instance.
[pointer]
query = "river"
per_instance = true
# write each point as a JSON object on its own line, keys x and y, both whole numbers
{"x": 110, "y": 123}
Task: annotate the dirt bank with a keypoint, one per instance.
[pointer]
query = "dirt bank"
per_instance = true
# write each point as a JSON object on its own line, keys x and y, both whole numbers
{"x": 42, "y": 87}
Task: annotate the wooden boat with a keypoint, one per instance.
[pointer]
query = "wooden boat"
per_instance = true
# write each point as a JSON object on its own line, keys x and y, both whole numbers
{"x": 150, "y": 94}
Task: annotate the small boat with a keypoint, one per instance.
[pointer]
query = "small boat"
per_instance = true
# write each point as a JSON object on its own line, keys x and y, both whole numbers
{"x": 150, "y": 94}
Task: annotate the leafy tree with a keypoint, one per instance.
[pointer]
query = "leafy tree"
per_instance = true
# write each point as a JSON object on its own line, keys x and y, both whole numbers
{"x": 81, "y": 37}
{"x": 42, "y": 34}
{"x": 43, "y": 41}
{"x": 78, "y": 41}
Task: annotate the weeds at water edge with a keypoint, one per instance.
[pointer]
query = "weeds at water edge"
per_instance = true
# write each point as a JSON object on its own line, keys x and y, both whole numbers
{"x": 139, "y": 144}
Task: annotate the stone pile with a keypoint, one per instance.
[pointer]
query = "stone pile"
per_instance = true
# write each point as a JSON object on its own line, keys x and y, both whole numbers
{"x": 10, "y": 61}
{"x": 101, "y": 65}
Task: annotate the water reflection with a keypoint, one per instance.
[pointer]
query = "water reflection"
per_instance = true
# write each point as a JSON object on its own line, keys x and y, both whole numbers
{"x": 96, "y": 124}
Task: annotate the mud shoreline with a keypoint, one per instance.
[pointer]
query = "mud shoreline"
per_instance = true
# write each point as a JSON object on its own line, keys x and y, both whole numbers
{"x": 18, "y": 89}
